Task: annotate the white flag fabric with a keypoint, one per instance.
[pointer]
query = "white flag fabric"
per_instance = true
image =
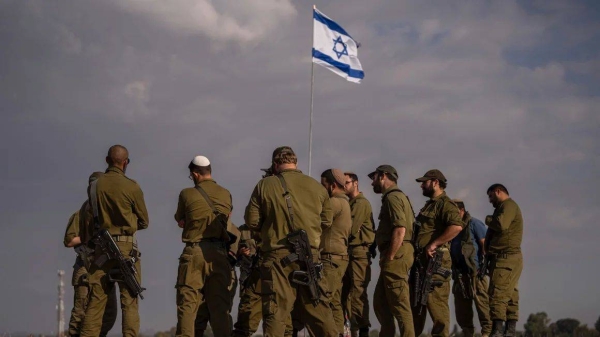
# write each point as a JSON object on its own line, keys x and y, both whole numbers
{"x": 335, "y": 49}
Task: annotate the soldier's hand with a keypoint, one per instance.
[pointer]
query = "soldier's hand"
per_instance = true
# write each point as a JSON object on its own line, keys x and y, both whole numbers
{"x": 243, "y": 251}
{"x": 430, "y": 249}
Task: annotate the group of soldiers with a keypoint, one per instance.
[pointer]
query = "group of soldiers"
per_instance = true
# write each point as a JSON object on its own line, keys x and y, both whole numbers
{"x": 305, "y": 254}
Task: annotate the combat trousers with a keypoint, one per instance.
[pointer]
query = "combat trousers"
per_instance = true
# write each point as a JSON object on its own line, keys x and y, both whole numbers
{"x": 464, "y": 307}
{"x": 391, "y": 301}
{"x": 280, "y": 296}
{"x": 203, "y": 315}
{"x": 437, "y": 303}
{"x": 334, "y": 268}
{"x": 354, "y": 293}
{"x": 100, "y": 289}
{"x": 505, "y": 271}
{"x": 204, "y": 275}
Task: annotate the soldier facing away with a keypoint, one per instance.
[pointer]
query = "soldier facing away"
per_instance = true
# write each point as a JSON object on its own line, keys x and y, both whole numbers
{"x": 205, "y": 273}
{"x": 440, "y": 223}
{"x": 466, "y": 250}
{"x": 268, "y": 212}
{"x": 334, "y": 242}
{"x": 77, "y": 233}
{"x": 503, "y": 248}
{"x": 358, "y": 273}
{"x": 392, "y": 296}
{"x": 122, "y": 212}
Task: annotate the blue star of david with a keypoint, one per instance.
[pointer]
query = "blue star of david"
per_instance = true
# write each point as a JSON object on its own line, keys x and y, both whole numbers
{"x": 336, "y": 51}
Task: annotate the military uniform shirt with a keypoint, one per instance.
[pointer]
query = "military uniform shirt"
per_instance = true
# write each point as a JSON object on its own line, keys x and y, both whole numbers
{"x": 395, "y": 212}
{"x": 506, "y": 226}
{"x": 121, "y": 206}
{"x": 200, "y": 221}
{"x": 362, "y": 232}
{"x": 437, "y": 214}
{"x": 334, "y": 239}
{"x": 72, "y": 229}
{"x": 267, "y": 209}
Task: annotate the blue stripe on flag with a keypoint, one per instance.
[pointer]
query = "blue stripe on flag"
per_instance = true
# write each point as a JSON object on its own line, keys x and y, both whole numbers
{"x": 329, "y": 23}
{"x": 341, "y": 66}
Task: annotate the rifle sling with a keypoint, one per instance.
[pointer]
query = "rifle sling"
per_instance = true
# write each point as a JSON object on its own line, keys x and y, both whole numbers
{"x": 211, "y": 205}
{"x": 288, "y": 201}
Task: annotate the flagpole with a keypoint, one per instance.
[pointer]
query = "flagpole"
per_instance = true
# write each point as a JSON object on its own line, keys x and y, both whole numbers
{"x": 312, "y": 83}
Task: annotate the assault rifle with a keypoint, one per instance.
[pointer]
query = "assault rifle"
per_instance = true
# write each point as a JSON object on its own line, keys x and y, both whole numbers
{"x": 246, "y": 264}
{"x": 311, "y": 273}
{"x": 106, "y": 249}
{"x": 422, "y": 289}
{"x": 483, "y": 267}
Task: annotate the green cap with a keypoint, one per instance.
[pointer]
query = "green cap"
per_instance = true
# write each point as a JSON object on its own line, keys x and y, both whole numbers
{"x": 432, "y": 174}
{"x": 384, "y": 169}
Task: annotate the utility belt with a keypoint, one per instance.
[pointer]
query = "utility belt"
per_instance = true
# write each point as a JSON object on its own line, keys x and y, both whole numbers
{"x": 503, "y": 254}
{"x": 207, "y": 241}
{"x": 123, "y": 238}
{"x": 327, "y": 256}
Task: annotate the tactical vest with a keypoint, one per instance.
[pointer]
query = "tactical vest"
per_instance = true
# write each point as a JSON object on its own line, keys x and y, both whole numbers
{"x": 467, "y": 246}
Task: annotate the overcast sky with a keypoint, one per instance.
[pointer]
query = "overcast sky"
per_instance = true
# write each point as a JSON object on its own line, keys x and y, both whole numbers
{"x": 486, "y": 91}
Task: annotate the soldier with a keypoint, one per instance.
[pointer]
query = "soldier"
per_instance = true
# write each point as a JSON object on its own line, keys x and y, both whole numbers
{"x": 334, "y": 242}
{"x": 440, "y": 223}
{"x": 503, "y": 241}
{"x": 466, "y": 250}
{"x": 268, "y": 212}
{"x": 204, "y": 269}
{"x": 392, "y": 296}
{"x": 250, "y": 306}
{"x": 358, "y": 273}
{"x": 121, "y": 211}
{"x": 79, "y": 229}
{"x": 203, "y": 315}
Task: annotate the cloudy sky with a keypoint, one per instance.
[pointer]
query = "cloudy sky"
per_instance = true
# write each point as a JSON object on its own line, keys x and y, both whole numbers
{"x": 486, "y": 91}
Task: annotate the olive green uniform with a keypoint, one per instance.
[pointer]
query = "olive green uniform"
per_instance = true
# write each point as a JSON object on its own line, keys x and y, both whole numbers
{"x": 250, "y": 306}
{"x": 203, "y": 315}
{"x": 121, "y": 211}
{"x": 334, "y": 254}
{"x": 358, "y": 273}
{"x": 463, "y": 305}
{"x": 79, "y": 281}
{"x": 204, "y": 271}
{"x": 267, "y": 212}
{"x": 435, "y": 217}
{"x": 503, "y": 241}
{"x": 392, "y": 294}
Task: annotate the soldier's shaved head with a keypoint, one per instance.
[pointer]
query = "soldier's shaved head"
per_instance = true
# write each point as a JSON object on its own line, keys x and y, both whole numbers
{"x": 117, "y": 156}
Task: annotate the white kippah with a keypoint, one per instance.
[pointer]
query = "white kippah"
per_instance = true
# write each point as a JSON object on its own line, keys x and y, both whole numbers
{"x": 201, "y": 161}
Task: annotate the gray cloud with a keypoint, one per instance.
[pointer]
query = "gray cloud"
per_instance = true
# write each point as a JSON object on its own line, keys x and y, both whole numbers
{"x": 487, "y": 92}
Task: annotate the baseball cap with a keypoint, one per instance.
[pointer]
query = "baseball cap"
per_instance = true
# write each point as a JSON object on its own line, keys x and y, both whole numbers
{"x": 384, "y": 169}
{"x": 432, "y": 174}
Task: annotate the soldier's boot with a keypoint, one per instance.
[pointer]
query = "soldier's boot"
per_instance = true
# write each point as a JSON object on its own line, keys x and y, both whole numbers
{"x": 468, "y": 332}
{"x": 497, "y": 329}
{"x": 511, "y": 328}
{"x": 363, "y": 332}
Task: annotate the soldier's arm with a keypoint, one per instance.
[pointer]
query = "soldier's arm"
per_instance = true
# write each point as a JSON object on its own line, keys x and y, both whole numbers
{"x": 72, "y": 230}
{"x": 454, "y": 225}
{"x": 326, "y": 211}
{"x": 361, "y": 215}
{"x": 397, "y": 213}
{"x": 180, "y": 213}
{"x": 252, "y": 214}
{"x": 502, "y": 217}
{"x": 139, "y": 209}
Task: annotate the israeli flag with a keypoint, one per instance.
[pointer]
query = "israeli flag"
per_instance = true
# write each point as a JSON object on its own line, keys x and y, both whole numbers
{"x": 335, "y": 49}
